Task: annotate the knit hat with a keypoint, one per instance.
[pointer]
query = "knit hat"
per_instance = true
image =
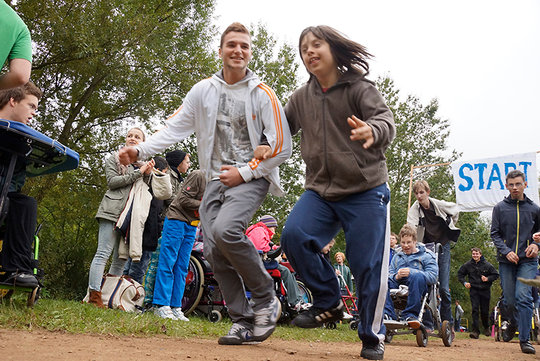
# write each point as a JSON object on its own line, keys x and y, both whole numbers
{"x": 268, "y": 221}
{"x": 175, "y": 157}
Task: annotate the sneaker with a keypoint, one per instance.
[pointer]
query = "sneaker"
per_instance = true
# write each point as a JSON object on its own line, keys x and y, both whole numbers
{"x": 177, "y": 312}
{"x": 413, "y": 323}
{"x": 487, "y": 332}
{"x": 265, "y": 320}
{"x": 237, "y": 335}
{"x": 164, "y": 312}
{"x": 474, "y": 335}
{"x": 347, "y": 316}
{"x": 21, "y": 279}
{"x": 526, "y": 347}
{"x": 390, "y": 322}
{"x": 315, "y": 317}
{"x": 373, "y": 352}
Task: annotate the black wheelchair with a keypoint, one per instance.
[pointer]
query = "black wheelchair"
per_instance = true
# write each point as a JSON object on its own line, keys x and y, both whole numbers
{"x": 42, "y": 155}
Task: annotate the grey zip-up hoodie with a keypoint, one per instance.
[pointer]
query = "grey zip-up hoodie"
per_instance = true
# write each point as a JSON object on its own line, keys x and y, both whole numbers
{"x": 337, "y": 166}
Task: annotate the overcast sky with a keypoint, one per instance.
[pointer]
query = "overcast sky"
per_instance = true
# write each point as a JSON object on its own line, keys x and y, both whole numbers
{"x": 480, "y": 59}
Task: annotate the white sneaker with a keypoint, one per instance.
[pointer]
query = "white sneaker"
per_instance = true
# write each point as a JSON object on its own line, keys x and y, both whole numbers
{"x": 165, "y": 312}
{"x": 301, "y": 306}
{"x": 177, "y": 312}
{"x": 347, "y": 316}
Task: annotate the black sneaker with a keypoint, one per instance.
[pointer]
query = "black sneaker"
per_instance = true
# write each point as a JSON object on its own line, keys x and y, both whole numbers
{"x": 373, "y": 352}
{"x": 474, "y": 335}
{"x": 237, "y": 335}
{"x": 526, "y": 347}
{"x": 487, "y": 332}
{"x": 21, "y": 279}
{"x": 315, "y": 317}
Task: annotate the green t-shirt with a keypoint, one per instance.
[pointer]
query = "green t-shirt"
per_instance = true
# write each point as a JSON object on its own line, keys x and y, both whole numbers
{"x": 15, "y": 41}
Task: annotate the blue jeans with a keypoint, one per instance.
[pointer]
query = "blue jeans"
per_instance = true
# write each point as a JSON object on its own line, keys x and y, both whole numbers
{"x": 416, "y": 282}
{"x": 314, "y": 221}
{"x": 176, "y": 243}
{"x": 108, "y": 240}
{"x": 444, "y": 283}
{"x": 517, "y": 295}
{"x": 136, "y": 270}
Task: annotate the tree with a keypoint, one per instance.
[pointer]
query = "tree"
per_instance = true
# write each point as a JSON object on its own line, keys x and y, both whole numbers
{"x": 104, "y": 66}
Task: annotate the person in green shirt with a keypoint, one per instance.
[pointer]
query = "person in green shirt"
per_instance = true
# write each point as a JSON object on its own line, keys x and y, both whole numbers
{"x": 15, "y": 48}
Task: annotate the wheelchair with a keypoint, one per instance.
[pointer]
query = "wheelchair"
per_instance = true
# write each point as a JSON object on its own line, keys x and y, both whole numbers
{"x": 42, "y": 156}
{"x": 501, "y": 322}
{"x": 201, "y": 293}
{"x": 430, "y": 307}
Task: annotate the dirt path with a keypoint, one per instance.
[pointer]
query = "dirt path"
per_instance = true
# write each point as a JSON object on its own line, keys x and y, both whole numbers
{"x": 44, "y": 346}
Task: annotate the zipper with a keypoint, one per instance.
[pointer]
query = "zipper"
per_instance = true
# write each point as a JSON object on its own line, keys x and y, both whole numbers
{"x": 324, "y": 142}
{"x": 517, "y": 236}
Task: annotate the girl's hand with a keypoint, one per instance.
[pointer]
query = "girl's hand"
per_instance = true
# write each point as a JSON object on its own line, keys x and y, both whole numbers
{"x": 147, "y": 167}
{"x": 360, "y": 131}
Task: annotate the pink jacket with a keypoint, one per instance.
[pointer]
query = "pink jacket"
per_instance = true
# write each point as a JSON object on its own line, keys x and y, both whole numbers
{"x": 261, "y": 236}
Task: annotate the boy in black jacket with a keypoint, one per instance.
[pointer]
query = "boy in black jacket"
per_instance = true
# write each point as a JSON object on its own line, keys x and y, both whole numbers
{"x": 481, "y": 275}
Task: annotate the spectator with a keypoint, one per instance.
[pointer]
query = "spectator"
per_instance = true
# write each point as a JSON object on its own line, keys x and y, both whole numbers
{"x": 119, "y": 181}
{"x": 261, "y": 235}
{"x": 15, "y": 47}
{"x": 480, "y": 274}
{"x": 513, "y": 222}
{"x": 345, "y": 281}
{"x": 457, "y": 317}
{"x": 176, "y": 243}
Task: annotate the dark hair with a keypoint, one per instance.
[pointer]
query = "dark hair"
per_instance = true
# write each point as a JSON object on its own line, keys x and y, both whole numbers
{"x": 236, "y": 27}
{"x": 514, "y": 174}
{"x": 476, "y": 249}
{"x": 349, "y": 55}
{"x": 19, "y": 93}
{"x": 161, "y": 163}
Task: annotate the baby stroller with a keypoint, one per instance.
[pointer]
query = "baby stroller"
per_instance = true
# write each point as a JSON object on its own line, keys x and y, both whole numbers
{"x": 430, "y": 307}
{"x": 43, "y": 156}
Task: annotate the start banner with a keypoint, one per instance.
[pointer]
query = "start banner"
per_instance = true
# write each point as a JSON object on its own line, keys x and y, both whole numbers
{"x": 480, "y": 184}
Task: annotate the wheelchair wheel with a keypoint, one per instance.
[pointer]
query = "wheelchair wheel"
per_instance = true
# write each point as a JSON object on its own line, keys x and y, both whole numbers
{"x": 194, "y": 286}
{"x": 421, "y": 337}
{"x": 215, "y": 316}
{"x": 446, "y": 333}
{"x": 353, "y": 325}
{"x": 330, "y": 325}
{"x": 305, "y": 293}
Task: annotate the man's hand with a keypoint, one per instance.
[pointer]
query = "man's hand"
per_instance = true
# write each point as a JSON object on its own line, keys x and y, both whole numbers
{"x": 402, "y": 273}
{"x": 262, "y": 152}
{"x": 484, "y": 279}
{"x": 361, "y": 131}
{"x": 467, "y": 285}
{"x": 512, "y": 257}
{"x": 536, "y": 237}
{"x": 231, "y": 176}
{"x": 128, "y": 155}
{"x": 531, "y": 251}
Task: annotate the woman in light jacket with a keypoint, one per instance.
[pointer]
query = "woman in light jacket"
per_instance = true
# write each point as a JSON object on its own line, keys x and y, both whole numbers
{"x": 119, "y": 181}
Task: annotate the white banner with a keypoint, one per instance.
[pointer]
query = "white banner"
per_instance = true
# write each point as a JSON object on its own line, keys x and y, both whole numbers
{"x": 480, "y": 184}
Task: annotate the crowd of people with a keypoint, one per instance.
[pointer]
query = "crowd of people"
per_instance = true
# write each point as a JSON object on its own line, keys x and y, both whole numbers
{"x": 243, "y": 135}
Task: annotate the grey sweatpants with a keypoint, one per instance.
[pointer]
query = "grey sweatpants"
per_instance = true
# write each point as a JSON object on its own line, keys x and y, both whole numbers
{"x": 225, "y": 215}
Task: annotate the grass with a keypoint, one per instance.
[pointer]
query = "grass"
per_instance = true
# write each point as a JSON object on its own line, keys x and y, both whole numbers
{"x": 78, "y": 318}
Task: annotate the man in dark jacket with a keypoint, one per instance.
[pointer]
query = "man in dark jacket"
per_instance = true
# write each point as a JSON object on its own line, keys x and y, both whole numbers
{"x": 481, "y": 275}
{"x": 513, "y": 222}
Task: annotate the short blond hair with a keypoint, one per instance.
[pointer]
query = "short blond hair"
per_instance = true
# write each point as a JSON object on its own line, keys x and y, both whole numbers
{"x": 407, "y": 231}
{"x": 339, "y": 253}
{"x": 422, "y": 183}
